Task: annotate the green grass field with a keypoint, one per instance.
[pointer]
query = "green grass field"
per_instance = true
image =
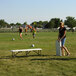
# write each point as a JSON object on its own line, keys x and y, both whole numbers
{"x": 48, "y": 64}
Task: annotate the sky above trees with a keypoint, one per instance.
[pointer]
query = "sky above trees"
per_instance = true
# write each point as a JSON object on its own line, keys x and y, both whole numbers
{"x": 13, "y": 11}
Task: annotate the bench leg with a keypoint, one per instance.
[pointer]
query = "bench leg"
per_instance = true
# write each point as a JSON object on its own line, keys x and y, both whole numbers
{"x": 27, "y": 52}
{"x": 13, "y": 54}
{"x": 39, "y": 52}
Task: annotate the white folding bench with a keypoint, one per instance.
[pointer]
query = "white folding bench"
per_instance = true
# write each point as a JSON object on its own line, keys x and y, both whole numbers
{"x": 27, "y": 51}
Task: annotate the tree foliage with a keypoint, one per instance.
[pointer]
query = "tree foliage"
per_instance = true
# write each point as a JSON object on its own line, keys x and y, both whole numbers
{"x": 39, "y": 24}
{"x": 70, "y": 21}
{"x": 25, "y": 23}
{"x": 53, "y": 23}
{"x": 3, "y": 23}
{"x": 18, "y": 24}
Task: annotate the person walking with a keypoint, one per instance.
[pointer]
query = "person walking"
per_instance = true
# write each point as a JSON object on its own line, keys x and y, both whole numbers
{"x": 62, "y": 38}
{"x": 33, "y": 32}
{"x": 20, "y": 32}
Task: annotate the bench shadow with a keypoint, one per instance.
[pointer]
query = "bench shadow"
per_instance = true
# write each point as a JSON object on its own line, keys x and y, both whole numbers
{"x": 32, "y": 56}
{"x": 5, "y": 57}
{"x": 39, "y": 59}
{"x": 10, "y": 57}
{"x": 43, "y": 59}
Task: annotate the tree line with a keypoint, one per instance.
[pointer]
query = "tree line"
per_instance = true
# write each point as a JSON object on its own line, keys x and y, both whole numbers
{"x": 53, "y": 23}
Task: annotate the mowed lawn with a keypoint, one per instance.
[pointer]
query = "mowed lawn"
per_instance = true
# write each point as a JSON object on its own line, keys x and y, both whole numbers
{"x": 48, "y": 64}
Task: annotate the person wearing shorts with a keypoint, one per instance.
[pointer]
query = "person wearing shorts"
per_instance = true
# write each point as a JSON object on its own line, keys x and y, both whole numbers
{"x": 26, "y": 31}
{"x": 20, "y": 32}
{"x": 62, "y": 38}
{"x": 33, "y": 32}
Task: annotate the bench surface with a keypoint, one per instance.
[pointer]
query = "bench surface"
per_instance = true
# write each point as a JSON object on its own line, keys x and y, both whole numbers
{"x": 26, "y": 50}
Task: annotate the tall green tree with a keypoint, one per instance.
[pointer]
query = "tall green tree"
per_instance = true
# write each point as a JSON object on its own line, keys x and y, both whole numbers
{"x": 50, "y": 24}
{"x": 25, "y": 23}
{"x": 3, "y": 23}
{"x": 44, "y": 23}
{"x": 70, "y": 21}
{"x": 53, "y": 23}
{"x": 40, "y": 24}
{"x": 18, "y": 24}
{"x": 12, "y": 24}
{"x": 37, "y": 24}
{"x": 56, "y": 22}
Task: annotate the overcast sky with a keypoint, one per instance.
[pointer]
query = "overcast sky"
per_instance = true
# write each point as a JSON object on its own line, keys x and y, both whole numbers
{"x": 13, "y": 11}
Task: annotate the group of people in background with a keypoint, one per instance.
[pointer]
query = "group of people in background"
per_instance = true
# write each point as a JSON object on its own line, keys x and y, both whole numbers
{"x": 21, "y": 30}
{"x": 61, "y": 36}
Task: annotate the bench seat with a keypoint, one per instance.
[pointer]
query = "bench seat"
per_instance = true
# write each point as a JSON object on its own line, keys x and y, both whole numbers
{"x": 36, "y": 50}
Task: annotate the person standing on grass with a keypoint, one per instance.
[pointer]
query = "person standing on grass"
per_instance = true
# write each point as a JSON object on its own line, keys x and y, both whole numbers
{"x": 62, "y": 38}
{"x": 20, "y": 32}
{"x": 26, "y": 31}
{"x": 33, "y": 32}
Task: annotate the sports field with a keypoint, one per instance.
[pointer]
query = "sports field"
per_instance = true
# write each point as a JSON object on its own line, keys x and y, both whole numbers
{"x": 48, "y": 64}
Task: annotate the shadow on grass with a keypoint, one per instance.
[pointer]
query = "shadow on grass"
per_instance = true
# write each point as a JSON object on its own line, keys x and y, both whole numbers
{"x": 5, "y": 57}
{"x": 18, "y": 56}
{"x": 43, "y": 59}
{"x": 10, "y": 57}
{"x": 54, "y": 57}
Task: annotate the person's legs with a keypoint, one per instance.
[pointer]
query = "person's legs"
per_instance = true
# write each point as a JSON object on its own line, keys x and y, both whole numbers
{"x": 21, "y": 36}
{"x": 68, "y": 53}
{"x": 64, "y": 48}
{"x": 33, "y": 35}
{"x": 63, "y": 52}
